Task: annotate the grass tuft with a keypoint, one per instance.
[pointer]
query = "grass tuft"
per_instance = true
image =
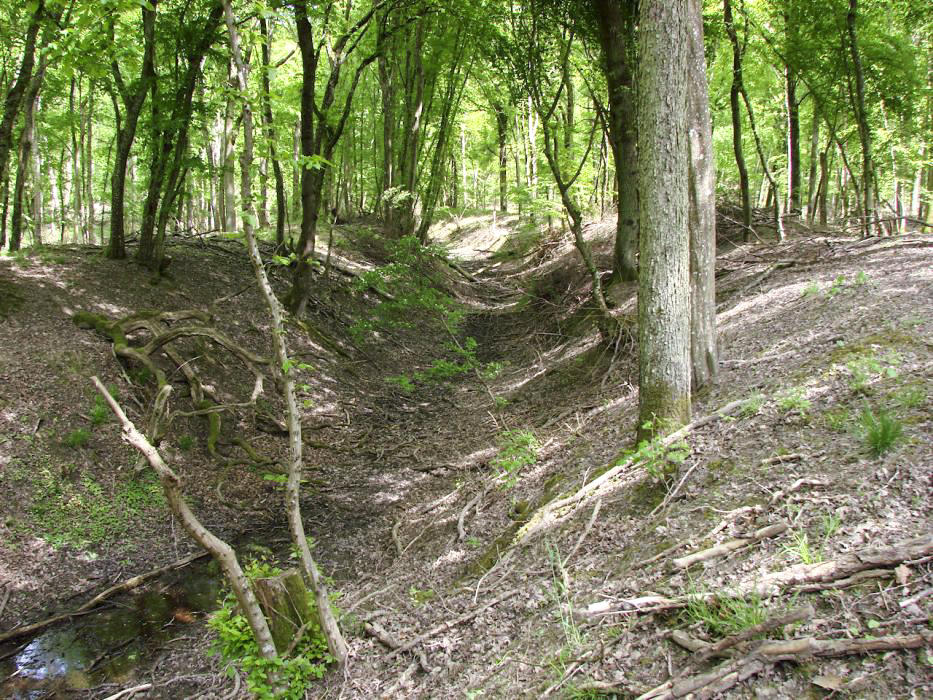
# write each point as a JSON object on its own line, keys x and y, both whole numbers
{"x": 881, "y": 431}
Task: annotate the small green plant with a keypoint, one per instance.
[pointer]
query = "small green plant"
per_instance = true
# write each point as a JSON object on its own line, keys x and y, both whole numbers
{"x": 881, "y": 432}
{"x": 500, "y": 402}
{"x": 474, "y": 542}
{"x": 862, "y": 278}
{"x": 831, "y": 524}
{"x": 186, "y": 442}
{"x": 864, "y": 369}
{"x": 802, "y": 550}
{"x": 811, "y": 290}
{"x": 78, "y": 438}
{"x": 910, "y": 396}
{"x": 561, "y": 598}
{"x": 793, "y": 400}
{"x": 837, "y": 286}
{"x": 725, "y": 616}
{"x": 235, "y": 643}
{"x": 517, "y": 450}
{"x": 100, "y": 412}
{"x": 837, "y": 419}
{"x": 402, "y": 382}
{"x": 752, "y": 405}
{"x": 420, "y": 596}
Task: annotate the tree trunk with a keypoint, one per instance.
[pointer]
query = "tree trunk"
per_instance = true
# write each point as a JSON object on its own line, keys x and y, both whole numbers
{"x": 126, "y": 133}
{"x": 734, "y": 93}
{"x": 814, "y": 158}
{"x": 76, "y": 183}
{"x": 26, "y": 146}
{"x": 861, "y": 116}
{"x": 268, "y": 124}
{"x": 702, "y": 208}
{"x": 664, "y": 270}
{"x": 502, "y": 132}
{"x": 14, "y": 96}
{"x": 616, "y": 23}
{"x": 793, "y": 142}
{"x": 37, "y": 194}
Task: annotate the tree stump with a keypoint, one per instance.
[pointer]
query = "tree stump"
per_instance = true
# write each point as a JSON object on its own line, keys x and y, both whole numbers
{"x": 285, "y": 601}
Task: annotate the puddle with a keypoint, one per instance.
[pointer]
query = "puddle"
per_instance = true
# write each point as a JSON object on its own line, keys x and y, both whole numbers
{"x": 112, "y": 644}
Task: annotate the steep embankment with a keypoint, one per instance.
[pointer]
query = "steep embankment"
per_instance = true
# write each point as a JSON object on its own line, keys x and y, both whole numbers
{"x": 496, "y": 590}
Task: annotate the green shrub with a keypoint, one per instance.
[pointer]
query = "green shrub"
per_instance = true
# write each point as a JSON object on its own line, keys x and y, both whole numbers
{"x": 78, "y": 438}
{"x": 517, "y": 450}
{"x": 235, "y": 643}
{"x": 100, "y": 412}
{"x": 881, "y": 432}
{"x": 793, "y": 400}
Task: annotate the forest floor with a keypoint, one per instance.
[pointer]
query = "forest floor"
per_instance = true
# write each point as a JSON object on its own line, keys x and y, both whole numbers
{"x": 502, "y": 518}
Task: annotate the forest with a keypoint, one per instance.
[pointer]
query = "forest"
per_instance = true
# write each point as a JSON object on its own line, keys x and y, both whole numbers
{"x": 400, "y": 348}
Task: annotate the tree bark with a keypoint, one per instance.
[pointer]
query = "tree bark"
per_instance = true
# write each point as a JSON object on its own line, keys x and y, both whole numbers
{"x": 616, "y": 24}
{"x": 502, "y": 132}
{"x": 734, "y": 93}
{"x": 664, "y": 270}
{"x": 268, "y": 124}
{"x": 126, "y": 131}
{"x": 702, "y": 208}
{"x": 24, "y": 160}
{"x": 861, "y": 116}
{"x": 14, "y": 97}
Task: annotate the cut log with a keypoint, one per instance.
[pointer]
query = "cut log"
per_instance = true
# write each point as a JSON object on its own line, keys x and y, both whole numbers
{"x": 284, "y": 600}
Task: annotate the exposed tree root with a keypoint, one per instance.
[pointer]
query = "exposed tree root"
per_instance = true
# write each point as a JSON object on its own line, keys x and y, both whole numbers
{"x": 562, "y": 509}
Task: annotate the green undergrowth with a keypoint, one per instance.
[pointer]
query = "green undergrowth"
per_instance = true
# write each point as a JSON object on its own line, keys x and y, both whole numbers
{"x": 236, "y": 645}
{"x": 726, "y": 615}
{"x": 82, "y": 512}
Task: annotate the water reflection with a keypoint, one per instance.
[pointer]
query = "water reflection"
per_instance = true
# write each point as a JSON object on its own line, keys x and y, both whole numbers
{"x": 109, "y": 645}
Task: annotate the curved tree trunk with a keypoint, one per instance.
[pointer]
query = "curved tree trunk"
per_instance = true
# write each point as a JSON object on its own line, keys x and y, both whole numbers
{"x": 664, "y": 270}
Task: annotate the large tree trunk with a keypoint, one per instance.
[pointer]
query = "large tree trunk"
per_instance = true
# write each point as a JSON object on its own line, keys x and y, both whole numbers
{"x": 36, "y": 163}
{"x": 616, "y": 21}
{"x": 126, "y": 134}
{"x": 702, "y": 209}
{"x": 734, "y": 93}
{"x": 664, "y": 270}
{"x": 14, "y": 96}
{"x": 791, "y": 35}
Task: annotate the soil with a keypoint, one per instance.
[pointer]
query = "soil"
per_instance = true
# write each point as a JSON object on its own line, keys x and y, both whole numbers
{"x": 409, "y": 516}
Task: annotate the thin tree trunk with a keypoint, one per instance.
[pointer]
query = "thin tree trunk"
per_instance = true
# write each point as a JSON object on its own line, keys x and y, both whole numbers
{"x": 861, "y": 116}
{"x": 126, "y": 133}
{"x": 735, "y": 92}
{"x": 37, "y": 194}
{"x": 335, "y": 641}
{"x": 269, "y": 124}
{"x": 814, "y": 159}
{"x": 702, "y": 208}
{"x": 616, "y": 23}
{"x": 76, "y": 183}
{"x": 664, "y": 271}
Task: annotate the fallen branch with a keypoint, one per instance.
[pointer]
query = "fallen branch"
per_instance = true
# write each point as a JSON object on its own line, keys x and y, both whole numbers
{"x": 796, "y": 615}
{"x": 444, "y": 626}
{"x": 377, "y": 631}
{"x": 844, "y": 571}
{"x": 721, "y": 550}
{"x": 127, "y": 585}
{"x": 129, "y": 692}
{"x": 728, "y": 674}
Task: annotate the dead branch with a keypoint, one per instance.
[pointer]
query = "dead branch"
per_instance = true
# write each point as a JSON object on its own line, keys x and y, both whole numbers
{"x": 721, "y": 550}
{"x": 728, "y": 674}
{"x": 377, "y": 631}
{"x": 444, "y": 626}
{"x": 796, "y": 615}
